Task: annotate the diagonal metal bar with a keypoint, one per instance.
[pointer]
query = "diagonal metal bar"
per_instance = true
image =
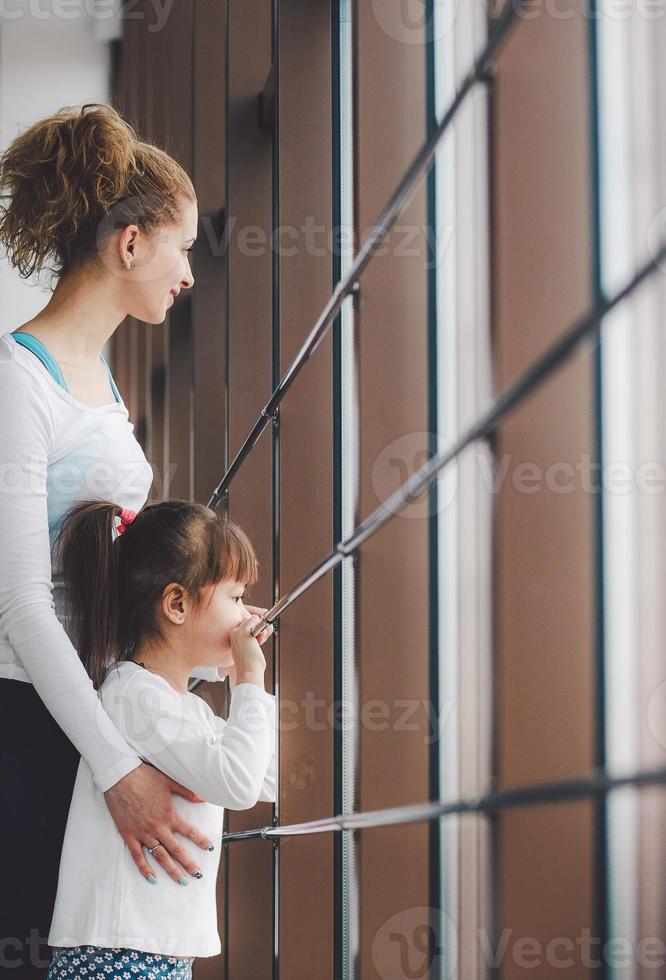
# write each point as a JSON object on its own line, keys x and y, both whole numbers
{"x": 399, "y": 199}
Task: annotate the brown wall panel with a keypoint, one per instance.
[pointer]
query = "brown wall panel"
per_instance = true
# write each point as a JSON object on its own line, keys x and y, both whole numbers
{"x": 208, "y": 296}
{"x": 249, "y": 209}
{"x": 393, "y": 589}
{"x": 178, "y": 143}
{"x": 305, "y": 869}
{"x": 392, "y": 332}
{"x": 395, "y": 913}
{"x": 306, "y": 484}
{"x": 179, "y": 400}
{"x": 249, "y": 326}
{"x": 544, "y": 539}
{"x": 649, "y": 882}
{"x": 546, "y": 903}
{"x": 250, "y": 910}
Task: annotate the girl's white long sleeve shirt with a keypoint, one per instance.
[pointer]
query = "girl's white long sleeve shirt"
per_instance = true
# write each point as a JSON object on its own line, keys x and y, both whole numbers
{"x": 54, "y": 452}
{"x": 102, "y": 898}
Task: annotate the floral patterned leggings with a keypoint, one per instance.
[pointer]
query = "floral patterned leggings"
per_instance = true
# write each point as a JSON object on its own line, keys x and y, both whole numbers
{"x": 96, "y": 963}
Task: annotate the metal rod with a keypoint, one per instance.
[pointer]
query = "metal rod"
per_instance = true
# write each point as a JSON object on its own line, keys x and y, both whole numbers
{"x": 399, "y": 199}
{"x": 598, "y": 784}
{"x": 483, "y": 427}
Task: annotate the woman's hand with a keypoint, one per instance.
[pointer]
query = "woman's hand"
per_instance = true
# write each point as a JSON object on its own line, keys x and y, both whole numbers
{"x": 143, "y": 811}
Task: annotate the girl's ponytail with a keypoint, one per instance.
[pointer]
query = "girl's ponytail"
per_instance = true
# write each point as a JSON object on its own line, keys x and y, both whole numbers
{"x": 89, "y": 556}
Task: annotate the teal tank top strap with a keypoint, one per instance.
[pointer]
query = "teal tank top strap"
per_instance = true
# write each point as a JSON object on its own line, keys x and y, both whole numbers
{"x": 114, "y": 387}
{"x": 40, "y": 351}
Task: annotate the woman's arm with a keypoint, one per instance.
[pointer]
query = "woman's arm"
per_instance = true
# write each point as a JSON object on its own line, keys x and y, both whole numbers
{"x": 27, "y": 609}
{"x": 139, "y": 798}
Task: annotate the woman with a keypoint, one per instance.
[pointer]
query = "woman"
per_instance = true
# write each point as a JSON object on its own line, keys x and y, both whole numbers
{"x": 117, "y": 217}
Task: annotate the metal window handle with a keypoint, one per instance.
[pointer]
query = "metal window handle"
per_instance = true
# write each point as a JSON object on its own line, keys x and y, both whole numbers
{"x": 263, "y": 624}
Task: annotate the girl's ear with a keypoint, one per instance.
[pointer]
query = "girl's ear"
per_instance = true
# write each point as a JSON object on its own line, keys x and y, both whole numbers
{"x": 174, "y": 603}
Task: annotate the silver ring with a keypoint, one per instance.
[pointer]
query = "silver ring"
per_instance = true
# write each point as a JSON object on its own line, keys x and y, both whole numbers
{"x": 151, "y": 849}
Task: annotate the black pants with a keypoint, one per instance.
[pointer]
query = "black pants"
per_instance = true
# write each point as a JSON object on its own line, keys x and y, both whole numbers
{"x": 38, "y": 765}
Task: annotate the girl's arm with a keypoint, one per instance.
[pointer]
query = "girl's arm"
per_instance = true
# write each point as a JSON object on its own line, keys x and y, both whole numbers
{"x": 207, "y": 673}
{"x": 268, "y": 791}
{"x": 226, "y": 766}
{"x": 27, "y": 610}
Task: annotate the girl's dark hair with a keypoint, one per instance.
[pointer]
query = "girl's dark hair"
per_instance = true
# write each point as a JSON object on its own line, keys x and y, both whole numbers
{"x": 74, "y": 178}
{"x": 114, "y": 583}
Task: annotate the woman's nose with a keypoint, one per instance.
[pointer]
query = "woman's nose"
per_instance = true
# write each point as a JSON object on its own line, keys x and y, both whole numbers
{"x": 188, "y": 279}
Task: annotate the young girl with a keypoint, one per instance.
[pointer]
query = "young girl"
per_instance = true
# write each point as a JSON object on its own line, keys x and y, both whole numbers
{"x": 153, "y": 594}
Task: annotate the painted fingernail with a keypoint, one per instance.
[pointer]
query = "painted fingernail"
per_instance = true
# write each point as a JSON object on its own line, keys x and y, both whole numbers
{"x": 197, "y": 874}
{"x": 152, "y": 879}
{"x": 211, "y": 847}
{"x": 183, "y": 880}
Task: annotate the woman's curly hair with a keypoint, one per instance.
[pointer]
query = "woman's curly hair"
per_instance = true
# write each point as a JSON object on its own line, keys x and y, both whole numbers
{"x": 74, "y": 178}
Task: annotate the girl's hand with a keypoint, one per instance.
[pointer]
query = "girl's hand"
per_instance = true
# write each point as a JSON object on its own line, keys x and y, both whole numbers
{"x": 143, "y": 811}
{"x": 267, "y": 630}
{"x": 260, "y": 637}
{"x": 248, "y": 659}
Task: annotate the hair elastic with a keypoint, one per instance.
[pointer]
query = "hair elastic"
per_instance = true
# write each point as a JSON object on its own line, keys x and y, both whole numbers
{"x": 126, "y": 517}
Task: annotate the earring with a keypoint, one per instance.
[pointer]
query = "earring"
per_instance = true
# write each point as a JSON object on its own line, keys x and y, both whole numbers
{"x": 131, "y": 263}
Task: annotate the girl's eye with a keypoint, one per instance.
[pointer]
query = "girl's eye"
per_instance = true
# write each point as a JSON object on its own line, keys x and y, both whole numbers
{"x": 237, "y": 597}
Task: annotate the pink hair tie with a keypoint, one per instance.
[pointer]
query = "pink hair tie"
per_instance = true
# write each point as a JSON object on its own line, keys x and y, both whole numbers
{"x": 126, "y": 517}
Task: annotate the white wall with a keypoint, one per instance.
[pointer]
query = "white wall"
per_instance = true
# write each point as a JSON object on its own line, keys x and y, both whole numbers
{"x": 46, "y": 62}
